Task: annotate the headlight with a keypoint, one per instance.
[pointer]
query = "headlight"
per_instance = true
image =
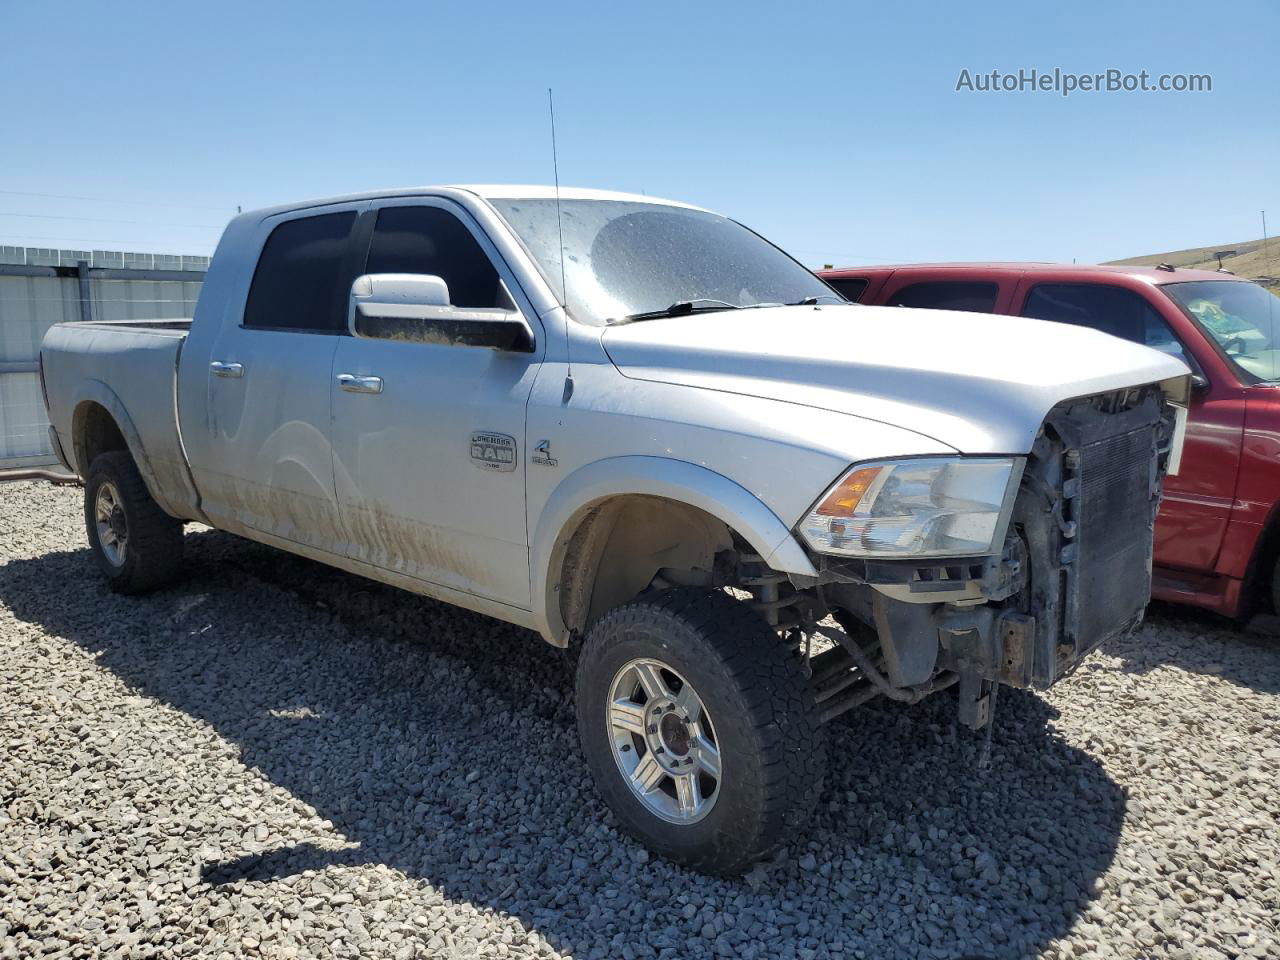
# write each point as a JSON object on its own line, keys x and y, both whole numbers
{"x": 916, "y": 508}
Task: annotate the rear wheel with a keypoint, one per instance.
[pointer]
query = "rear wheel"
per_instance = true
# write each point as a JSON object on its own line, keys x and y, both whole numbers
{"x": 699, "y": 728}
{"x": 137, "y": 546}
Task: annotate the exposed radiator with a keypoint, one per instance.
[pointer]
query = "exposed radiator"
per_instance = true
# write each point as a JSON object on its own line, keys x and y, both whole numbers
{"x": 1113, "y": 513}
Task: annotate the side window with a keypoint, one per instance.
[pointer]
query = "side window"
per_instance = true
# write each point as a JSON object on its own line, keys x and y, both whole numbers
{"x": 947, "y": 295}
{"x": 1114, "y": 310}
{"x": 851, "y": 288}
{"x": 433, "y": 241}
{"x": 297, "y": 285}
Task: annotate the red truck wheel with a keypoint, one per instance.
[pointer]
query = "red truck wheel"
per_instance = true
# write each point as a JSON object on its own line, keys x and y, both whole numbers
{"x": 1275, "y": 587}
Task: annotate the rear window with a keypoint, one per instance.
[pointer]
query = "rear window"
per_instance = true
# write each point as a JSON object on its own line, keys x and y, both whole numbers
{"x": 298, "y": 283}
{"x": 851, "y": 288}
{"x": 947, "y": 295}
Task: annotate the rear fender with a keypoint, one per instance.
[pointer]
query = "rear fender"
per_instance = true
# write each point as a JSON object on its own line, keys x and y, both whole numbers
{"x": 92, "y": 392}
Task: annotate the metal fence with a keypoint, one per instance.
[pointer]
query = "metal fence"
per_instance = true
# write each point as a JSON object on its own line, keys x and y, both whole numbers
{"x": 41, "y": 287}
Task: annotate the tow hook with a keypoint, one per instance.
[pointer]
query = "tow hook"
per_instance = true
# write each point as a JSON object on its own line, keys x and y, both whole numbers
{"x": 977, "y": 708}
{"x": 976, "y": 698}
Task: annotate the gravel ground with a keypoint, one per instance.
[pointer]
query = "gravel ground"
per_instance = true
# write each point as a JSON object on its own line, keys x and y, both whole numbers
{"x": 275, "y": 758}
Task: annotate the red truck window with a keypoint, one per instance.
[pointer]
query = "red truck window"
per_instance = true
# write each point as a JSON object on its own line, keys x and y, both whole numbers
{"x": 851, "y": 288}
{"x": 947, "y": 295}
{"x": 1114, "y": 310}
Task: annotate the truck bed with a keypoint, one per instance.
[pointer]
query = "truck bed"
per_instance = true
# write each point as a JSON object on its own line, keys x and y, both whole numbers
{"x": 129, "y": 369}
{"x": 174, "y": 327}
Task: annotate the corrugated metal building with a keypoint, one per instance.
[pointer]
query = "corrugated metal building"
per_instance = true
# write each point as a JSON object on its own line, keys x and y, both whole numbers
{"x": 40, "y": 287}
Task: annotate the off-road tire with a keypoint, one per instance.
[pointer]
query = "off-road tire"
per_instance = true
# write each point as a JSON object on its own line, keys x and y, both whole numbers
{"x": 153, "y": 552}
{"x": 752, "y": 684}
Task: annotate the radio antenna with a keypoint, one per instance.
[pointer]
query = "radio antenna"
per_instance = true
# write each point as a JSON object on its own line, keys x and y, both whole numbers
{"x": 564, "y": 288}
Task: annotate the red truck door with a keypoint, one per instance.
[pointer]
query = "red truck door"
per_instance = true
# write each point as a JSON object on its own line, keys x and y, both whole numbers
{"x": 1197, "y": 502}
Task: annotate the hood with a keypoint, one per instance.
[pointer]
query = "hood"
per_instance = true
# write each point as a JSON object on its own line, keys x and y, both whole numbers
{"x": 980, "y": 383}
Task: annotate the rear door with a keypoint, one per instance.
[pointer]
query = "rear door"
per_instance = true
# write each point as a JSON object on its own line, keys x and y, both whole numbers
{"x": 262, "y": 457}
{"x": 1197, "y": 502}
{"x": 430, "y": 469}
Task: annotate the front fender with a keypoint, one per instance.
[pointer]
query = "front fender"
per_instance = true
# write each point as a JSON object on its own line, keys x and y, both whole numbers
{"x": 675, "y": 480}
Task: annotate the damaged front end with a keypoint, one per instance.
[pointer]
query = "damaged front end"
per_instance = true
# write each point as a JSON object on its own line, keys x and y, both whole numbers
{"x": 1074, "y": 570}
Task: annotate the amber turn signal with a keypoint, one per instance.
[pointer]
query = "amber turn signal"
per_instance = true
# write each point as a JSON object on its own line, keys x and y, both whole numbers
{"x": 844, "y": 499}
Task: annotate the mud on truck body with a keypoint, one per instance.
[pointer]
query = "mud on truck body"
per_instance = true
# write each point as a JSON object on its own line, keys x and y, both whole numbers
{"x": 640, "y": 430}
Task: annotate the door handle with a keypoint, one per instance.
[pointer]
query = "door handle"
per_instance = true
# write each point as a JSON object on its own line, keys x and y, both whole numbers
{"x": 353, "y": 384}
{"x": 220, "y": 369}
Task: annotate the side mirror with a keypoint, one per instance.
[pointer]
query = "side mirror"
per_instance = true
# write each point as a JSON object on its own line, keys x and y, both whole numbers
{"x": 1199, "y": 383}
{"x": 415, "y": 308}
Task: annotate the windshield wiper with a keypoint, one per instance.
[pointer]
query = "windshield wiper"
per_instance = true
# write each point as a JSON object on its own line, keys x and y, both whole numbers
{"x": 802, "y": 302}
{"x": 679, "y": 309}
{"x": 709, "y": 304}
{"x": 813, "y": 301}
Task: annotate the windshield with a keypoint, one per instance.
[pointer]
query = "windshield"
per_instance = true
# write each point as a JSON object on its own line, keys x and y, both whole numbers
{"x": 1241, "y": 317}
{"x": 624, "y": 258}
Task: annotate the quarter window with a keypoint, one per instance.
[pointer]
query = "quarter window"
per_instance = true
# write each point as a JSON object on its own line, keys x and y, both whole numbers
{"x": 947, "y": 295}
{"x": 297, "y": 285}
{"x": 851, "y": 288}
{"x": 428, "y": 240}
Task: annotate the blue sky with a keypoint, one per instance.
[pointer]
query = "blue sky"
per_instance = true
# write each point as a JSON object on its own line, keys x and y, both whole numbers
{"x": 834, "y": 129}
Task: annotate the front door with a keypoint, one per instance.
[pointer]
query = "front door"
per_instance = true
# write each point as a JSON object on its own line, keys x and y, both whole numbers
{"x": 429, "y": 438}
{"x": 1198, "y": 501}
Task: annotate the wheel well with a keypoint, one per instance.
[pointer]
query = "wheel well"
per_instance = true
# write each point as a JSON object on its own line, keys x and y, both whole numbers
{"x": 94, "y": 431}
{"x": 622, "y": 544}
{"x": 1261, "y": 567}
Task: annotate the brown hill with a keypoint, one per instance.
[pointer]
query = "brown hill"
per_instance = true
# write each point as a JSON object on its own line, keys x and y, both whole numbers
{"x": 1252, "y": 258}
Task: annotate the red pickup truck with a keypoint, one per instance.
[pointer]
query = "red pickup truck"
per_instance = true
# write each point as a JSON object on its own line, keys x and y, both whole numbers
{"x": 1218, "y": 532}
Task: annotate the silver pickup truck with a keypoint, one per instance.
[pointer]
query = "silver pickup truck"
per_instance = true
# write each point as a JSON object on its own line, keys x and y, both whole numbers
{"x": 640, "y": 430}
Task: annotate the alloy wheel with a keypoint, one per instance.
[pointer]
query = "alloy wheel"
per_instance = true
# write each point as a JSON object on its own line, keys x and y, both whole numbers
{"x": 664, "y": 741}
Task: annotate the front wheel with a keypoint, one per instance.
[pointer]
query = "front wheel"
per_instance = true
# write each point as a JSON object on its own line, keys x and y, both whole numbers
{"x": 1275, "y": 587}
{"x": 699, "y": 728}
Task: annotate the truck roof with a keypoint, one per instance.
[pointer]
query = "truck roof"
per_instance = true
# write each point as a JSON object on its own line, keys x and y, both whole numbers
{"x": 1153, "y": 275}
{"x": 504, "y": 191}
{"x": 499, "y": 191}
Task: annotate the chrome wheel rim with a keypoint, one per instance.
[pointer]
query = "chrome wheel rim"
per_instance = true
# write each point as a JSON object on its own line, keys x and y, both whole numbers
{"x": 663, "y": 741}
{"x": 113, "y": 529}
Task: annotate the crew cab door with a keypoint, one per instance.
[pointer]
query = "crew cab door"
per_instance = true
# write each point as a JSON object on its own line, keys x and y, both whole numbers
{"x": 261, "y": 454}
{"x": 1197, "y": 502}
{"x": 429, "y": 437}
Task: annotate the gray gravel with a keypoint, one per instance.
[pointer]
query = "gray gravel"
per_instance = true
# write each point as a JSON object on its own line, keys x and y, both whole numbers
{"x": 275, "y": 758}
